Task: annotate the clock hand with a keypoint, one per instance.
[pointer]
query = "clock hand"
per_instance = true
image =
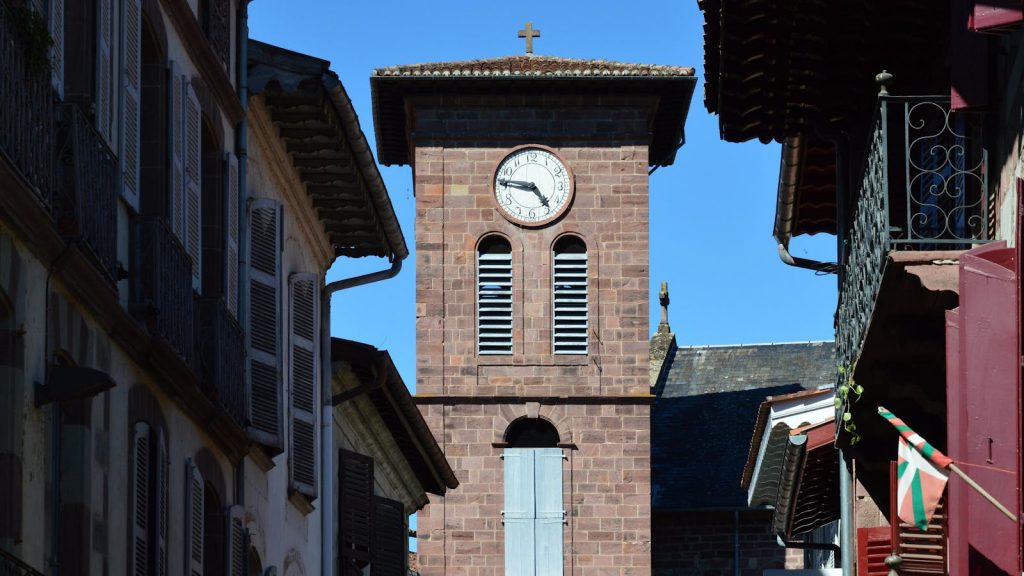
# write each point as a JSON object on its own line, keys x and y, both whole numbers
{"x": 518, "y": 183}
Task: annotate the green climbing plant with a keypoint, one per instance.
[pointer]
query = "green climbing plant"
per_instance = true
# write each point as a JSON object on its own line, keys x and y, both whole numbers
{"x": 847, "y": 393}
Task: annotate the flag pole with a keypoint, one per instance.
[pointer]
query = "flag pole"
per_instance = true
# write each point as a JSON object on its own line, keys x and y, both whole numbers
{"x": 984, "y": 494}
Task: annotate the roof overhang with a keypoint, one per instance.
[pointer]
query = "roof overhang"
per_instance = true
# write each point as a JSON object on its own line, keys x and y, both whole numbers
{"x": 808, "y": 489}
{"x": 806, "y": 199}
{"x": 320, "y": 131}
{"x": 398, "y": 413}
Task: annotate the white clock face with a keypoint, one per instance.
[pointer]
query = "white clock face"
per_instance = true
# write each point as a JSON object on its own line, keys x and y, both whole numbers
{"x": 532, "y": 186}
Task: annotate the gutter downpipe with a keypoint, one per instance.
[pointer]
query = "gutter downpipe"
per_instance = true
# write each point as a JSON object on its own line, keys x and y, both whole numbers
{"x": 241, "y": 153}
{"x": 789, "y": 177}
{"x": 846, "y": 523}
{"x": 327, "y": 409}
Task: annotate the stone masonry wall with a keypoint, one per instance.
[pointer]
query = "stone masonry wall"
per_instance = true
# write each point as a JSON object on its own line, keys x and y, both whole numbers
{"x": 704, "y": 544}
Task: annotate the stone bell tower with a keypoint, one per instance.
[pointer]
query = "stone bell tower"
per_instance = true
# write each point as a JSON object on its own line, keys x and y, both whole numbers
{"x": 531, "y": 181}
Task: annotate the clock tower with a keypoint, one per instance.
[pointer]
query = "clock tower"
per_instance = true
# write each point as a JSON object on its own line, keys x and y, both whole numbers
{"x": 531, "y": 183}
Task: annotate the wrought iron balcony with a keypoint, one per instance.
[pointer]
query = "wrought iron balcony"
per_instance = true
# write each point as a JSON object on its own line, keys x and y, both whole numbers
{"x": 163, "y": 292}
{"x": 222, "y": 355}
{"x": 11, "y": 565}
{"x": 26, "y": 124}
{"x": 924, "y": 187}
{"x": 85, "y": 201}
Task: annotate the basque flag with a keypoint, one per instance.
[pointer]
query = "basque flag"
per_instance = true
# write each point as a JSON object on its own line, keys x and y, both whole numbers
{"x": 922, "y": 472}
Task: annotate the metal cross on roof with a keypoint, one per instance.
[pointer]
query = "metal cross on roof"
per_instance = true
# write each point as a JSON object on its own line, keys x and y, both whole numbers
{"x": 529, "y": 33}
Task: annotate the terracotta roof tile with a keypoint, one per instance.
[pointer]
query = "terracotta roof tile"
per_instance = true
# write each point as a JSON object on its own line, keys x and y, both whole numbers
{"x": 530, "y": 66}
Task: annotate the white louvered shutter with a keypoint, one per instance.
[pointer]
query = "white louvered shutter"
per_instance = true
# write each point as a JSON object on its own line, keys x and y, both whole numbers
{"x": 193, "y": 185}
{"x": 235, "y": 555}
{"x": 177, "y": 151}
{"x": 494, "y": 299}
{"x": 193, "y": 519}
{"x": 231, "y": 269}
{"x": 57, "y": 49}
{"x": 131, "y": 101}
{"x": 162, "y": 479}
{"x": 569, "y": 301}
{"x": 550, "y": 514}
{"x": 303, "y": 378}
{"x": 519, "y": 513}
{"x": 264, "y": 394}
{"x": 104, "y": 71}
{"x": 140, "y": 499}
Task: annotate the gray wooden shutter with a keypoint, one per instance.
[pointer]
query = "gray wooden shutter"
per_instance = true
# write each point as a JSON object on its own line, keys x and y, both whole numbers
{"x": 303, "y": 379}
{"x": 140, "y": 499}
{"x": 57, "y": 49}
{"x": 355, "y": 507}
{"x": 193, "y": 520}
{"x": 193, "y": 184}
{"x": 550, "y": 513}
{"x": 130, "y": 101}
{"x": 162, "y": 483}
{"x": 104, "y": 71}
{"x": 236, "y": 549}
{"x": 264, "y": 393}
{"x": 494, "y": 299}
{"x": 569, "y": 302}
{"x": 390, "y": 538}
{"x": 177, "y": 151}
{"x": 232, "y": 193}
{"x": 519, "y": 515}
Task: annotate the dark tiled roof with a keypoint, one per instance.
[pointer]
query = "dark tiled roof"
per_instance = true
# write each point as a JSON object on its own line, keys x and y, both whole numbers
{"x": 531, "y": 65}
{"x": 705, "y": 411}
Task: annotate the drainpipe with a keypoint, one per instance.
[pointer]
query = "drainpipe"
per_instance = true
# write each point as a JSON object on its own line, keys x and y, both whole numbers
{"x": 327, "y": 410}
{"x": 736, "y": 542}
{"x": 846, "y": 523}
{"x": 846, "y": 526}
{"x": 241, "y": 144}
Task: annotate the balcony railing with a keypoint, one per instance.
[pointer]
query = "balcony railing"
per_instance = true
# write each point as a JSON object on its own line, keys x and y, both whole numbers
{"x": 222, "y": 354}
{"x": 26, "y": 123}
{"x": 924, "y": 187}
{"x": 85, "y": 202}
{"x": 11, "y": 565}
{"x": 164, "y": 287}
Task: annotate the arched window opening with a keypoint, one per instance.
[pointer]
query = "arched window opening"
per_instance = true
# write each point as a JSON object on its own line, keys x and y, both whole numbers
{"x": 214, "y": 530}
{"x": 494, "y": 296}
{"x": 153, "y": 201}
{"x": 570, "y": 318}
{"x": 213, "y": 212}
{"x": 531, "y": 433}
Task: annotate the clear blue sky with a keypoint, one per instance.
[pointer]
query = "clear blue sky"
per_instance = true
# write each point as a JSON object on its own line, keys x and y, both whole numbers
{"x": 711, "y": 212}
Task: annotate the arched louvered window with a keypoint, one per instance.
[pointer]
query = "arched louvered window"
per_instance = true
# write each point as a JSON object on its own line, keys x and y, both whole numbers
{"x": 494, "y": 296}
{"x": 569, "y": 296}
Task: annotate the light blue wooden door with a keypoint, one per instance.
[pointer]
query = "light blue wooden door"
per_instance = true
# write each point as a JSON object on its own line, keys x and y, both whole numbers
{"x": 519, "y": 514}
{"x": 550, "y": 513}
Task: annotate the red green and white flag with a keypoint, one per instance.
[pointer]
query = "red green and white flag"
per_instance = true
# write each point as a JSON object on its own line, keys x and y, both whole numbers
{"x": 922, "y": 471}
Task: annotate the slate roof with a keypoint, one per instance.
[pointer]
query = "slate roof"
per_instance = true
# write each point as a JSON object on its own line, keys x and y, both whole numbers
{"x": 531, "y": 65}
{"x": 704, "y": 414}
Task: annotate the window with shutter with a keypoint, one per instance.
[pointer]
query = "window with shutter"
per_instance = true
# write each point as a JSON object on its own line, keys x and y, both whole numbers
{"x": 231, "y": 256}
{"x": 533, "y": 515}
{"x": 162, "y": 466}
{"x": 303, "y": 378}
{"x": 236, "y": 547}
{"x": 922, "y": 551}
{"x": 494, "y": 296}
{"x": 131, "y": 101}
{"x": 193, "y": 184}
{"x": 141, "y": 456}
{"x": 569, "y": 296}
{"x": 57, "y": 48}
{"x": 390, "y": 538}
{"x": 177, "y": 149}
{"x": 873, "y": 547}
{"x": 355, "y": 510}
{"x": 193, "y": 519}
{"x": 104, "y": 71}
{"x": 264, "y": 393}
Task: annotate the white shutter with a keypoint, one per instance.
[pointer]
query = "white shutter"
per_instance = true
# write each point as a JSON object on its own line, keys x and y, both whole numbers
{"x": 264, "y": 393}
{"x": 193, "y": 185}
{"x": 104, "y": 71}
{"x": 303, "y": 379}
{"x": 161, "y": 508}
{"x": 494, "y": 299}
{"x": 57, "y": 49}
{"x": 177, "y": 145}
{"x": 519, "y": 514}
{"x": 569, "y": 299}
{"x": 235, "y": 555}
{"x": 140, "y": 499}
{"x": 550, "y": 514}
{"x": 193, "y": 519}
{"x": 231, "y": 269}
{"x": 131, "y": 101}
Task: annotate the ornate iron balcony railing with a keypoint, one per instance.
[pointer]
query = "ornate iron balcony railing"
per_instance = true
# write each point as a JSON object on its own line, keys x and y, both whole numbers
{"x": 222, "y": 355}
{"x": 163, "y": 292}
{"x": 924, "y": 187}
{"x": 26, "y": 94}
{"x": 85, "y": 204}
{"x": 11, "y": 565}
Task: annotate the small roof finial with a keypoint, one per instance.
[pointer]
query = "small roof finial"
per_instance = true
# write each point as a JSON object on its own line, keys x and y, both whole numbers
{"x": 529, "y": 33}
{"x": 664, "y": 300}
